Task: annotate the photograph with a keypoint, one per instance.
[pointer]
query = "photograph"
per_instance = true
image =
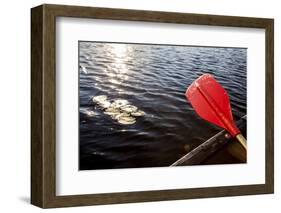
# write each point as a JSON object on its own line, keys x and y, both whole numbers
{"x": 161, "y": 105}
{"x": 143, "y": 105}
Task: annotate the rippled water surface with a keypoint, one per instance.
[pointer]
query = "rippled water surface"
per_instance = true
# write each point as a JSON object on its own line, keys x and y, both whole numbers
{"x": 154, "y": 79}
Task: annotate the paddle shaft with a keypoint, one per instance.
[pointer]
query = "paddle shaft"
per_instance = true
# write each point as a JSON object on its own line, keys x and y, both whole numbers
{"x": 242, "y": 141}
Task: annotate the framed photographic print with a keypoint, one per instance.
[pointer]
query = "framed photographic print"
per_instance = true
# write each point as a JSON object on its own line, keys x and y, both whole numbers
{"x": 135, "y": 106}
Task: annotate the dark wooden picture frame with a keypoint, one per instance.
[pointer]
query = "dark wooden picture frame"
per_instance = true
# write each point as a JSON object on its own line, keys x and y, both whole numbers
{"x": 43, "y": 105}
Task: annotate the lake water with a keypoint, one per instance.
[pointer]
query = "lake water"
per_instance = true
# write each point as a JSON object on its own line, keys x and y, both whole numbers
{"x": 153, "y": 78}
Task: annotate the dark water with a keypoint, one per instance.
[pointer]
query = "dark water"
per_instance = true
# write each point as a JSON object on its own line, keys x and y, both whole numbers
{"x": 153, "y": 78}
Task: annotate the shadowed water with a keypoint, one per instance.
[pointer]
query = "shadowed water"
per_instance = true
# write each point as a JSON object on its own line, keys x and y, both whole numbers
{"x": 153, "y": 78}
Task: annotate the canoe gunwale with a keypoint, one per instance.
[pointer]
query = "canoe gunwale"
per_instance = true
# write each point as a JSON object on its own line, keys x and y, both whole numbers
{"x": 209, "y": 147}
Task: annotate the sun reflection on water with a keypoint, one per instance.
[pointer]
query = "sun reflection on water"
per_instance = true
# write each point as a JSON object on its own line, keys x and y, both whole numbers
{"x": 118, "y": 70}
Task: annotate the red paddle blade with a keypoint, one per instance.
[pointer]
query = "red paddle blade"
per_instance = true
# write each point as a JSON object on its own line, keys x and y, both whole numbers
{"x": 211, "y": 102}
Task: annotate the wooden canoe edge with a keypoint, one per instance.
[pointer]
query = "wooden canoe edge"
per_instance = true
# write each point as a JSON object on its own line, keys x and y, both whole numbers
{"x": 209, "y": 147}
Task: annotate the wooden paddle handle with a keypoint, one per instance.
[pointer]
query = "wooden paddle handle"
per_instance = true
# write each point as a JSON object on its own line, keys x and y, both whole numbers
{"x": 242, "y": 141}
